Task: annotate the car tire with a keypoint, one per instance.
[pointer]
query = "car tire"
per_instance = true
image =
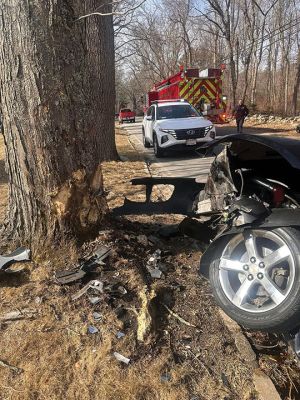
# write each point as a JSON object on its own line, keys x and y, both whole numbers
{"x": 146, "y": 142}
{"x": 271, "y": 304}
{"x": 158, "y": 151}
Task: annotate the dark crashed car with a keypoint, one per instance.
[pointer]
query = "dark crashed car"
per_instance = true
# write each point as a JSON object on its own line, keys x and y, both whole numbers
{"x": 250, "y": 205}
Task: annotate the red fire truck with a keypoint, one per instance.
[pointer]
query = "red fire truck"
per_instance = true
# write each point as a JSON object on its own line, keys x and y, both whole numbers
{"x": 202, "y": 89}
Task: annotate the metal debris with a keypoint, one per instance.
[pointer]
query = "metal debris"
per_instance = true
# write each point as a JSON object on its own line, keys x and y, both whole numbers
{"x": 11, "y": 367}
{"x": 121, "y": 358}
{"x": 92, "y": 330}
{"x": 21, "y": 254}
{"x": 94, "y": 284}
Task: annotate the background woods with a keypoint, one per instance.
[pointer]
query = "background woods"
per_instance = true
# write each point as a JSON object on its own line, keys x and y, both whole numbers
{"x": 258, "y": 40}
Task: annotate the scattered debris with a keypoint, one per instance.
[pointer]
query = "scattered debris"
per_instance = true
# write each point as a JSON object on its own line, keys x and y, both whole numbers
{"x": 21, "y": 254}
{"x": 153, "y": 265}
{"x": 68, "y": 276}
{"x": 17, "y": 315}
{"x": 85, "y": 266}
{"x": 165, "y": 377}
{"x": 94, "y": 300}
{"x": 11, "y": 367}
{"x": 97, "y": 316}
{"x": 94, "y": 284}
{"x": 178, "y": 317}
{"x": 120, "y": 335}
{"x": 92, "y": 330}
{"x": 121, "y": 358}
{"x": 121, "y": 290}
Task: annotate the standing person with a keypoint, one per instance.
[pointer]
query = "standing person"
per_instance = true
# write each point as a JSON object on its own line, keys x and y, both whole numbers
{"x": 240, "y": 112}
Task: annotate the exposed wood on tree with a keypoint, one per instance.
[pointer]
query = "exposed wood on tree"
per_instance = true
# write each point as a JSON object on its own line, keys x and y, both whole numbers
{"x": 57, "y": 99}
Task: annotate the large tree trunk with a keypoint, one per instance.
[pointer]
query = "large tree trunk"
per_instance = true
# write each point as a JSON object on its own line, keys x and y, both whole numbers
{"x": 57, "y": 99}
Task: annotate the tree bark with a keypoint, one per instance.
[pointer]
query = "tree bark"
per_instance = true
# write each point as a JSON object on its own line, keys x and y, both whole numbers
{"x": 296, "y": 85}
{"x": 57, "y": 99}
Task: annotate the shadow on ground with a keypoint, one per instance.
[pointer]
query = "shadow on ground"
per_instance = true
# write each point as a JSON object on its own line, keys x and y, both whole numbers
{"x": 3, "y": 174}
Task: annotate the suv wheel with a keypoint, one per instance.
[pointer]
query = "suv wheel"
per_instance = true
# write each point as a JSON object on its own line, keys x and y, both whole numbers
{"x": 145, "y": 140}
{"x": 158, "y": 151}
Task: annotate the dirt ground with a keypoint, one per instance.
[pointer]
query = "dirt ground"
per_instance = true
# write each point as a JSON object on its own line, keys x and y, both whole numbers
{"x": 171, "y": 330}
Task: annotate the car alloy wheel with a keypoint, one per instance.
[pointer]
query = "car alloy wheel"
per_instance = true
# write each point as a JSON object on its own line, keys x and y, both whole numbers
{"x": 255, "y": 278}
{"x": 256, "y": 271}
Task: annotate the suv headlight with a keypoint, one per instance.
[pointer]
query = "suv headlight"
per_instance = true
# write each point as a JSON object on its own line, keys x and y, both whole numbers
{"x": 170, "y": 131}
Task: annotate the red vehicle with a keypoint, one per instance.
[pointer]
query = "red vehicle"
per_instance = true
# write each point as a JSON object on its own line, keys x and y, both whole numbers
{"x": 202, "y": 89}
{"x": 127, "y": 115}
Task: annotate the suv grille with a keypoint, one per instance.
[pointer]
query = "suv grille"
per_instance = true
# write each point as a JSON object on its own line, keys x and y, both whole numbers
{"x": 196, "y": 133}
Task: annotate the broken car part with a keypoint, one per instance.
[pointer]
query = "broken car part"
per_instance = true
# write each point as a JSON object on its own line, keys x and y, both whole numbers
{"x": 72, "y": 275}
{"x": 121, "y": 358}
{"x": 153, "y": 265}
{"x": 92, "y": 330}
{"x": 21, "y": 254}
{"x": 180, "y": 202}
{"x": 94, "y": 284}
{"x": 250, "y": 203}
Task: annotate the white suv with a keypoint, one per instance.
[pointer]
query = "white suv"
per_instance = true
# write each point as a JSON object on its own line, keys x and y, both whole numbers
{"x": 175, "y": 125}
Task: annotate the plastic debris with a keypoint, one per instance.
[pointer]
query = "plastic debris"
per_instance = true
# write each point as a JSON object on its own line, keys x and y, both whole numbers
{"x": 97, "y": 316}
{"x": 21, "y": 254}
{"x": 85, "y": 266}
{"x": 165, "y": 377}
{"x": 121, "y": 358}
{"x": 92, "y": 330}
{"x": 94, "y": 284}
{"x": 94, "y": 300}
{"x": 121, "y": 290}
{"x": 153, "y": 265}
{"x": 120, "y": 335}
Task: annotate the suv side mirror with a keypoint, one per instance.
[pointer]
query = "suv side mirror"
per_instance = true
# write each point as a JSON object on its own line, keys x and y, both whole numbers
{"x": 149, "y": 118}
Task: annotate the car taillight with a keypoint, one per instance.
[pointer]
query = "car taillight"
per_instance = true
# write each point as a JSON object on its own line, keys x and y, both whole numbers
{"x": 278, "y": 195}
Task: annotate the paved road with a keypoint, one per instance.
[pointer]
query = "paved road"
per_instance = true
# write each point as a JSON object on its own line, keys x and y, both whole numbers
{"x": 177, "y": 164}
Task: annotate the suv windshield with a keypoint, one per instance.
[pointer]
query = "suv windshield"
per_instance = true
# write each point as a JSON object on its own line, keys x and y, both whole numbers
{"x": 177, "y": 111}
{"x": 125, "y": 110}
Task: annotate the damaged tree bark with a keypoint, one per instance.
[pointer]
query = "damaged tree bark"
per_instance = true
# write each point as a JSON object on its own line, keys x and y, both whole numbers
{"x": 57, "y": 101}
